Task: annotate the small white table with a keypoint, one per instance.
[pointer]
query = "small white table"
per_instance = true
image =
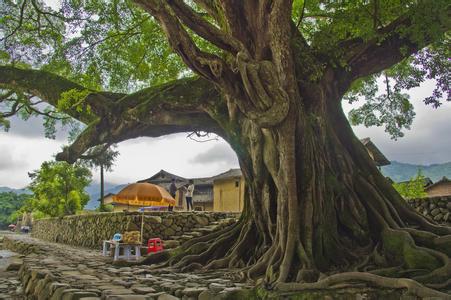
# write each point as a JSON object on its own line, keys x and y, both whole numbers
{"x": 107, "y": 244}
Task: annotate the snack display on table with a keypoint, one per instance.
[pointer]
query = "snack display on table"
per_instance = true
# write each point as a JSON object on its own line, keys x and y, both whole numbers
{"x": 131, "y": 237}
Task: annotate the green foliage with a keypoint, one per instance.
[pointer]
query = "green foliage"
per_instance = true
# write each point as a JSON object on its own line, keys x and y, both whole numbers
{"x": 105, "y": 208}
{"x": 100, "y": 44}
{"x": 74, "y": 100}
{"x": 392, "y": 108}
{"x": 100, "y": 156}
{"x": 58, "y": 188}
{"x": 10, "y": 203}
{"x": 414, "y": 188}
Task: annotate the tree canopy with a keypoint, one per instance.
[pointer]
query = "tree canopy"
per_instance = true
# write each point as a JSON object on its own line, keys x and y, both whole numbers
{"x": 117, "y": 46}
{"x": 58, "y": 189}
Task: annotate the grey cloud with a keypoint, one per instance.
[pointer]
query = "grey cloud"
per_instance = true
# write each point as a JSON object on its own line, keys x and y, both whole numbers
{"x": 220, "y": 153}
{"x": 428, "y": 142}
{"x": 150, "y": 140}
{"x": 7, "y": 160}
{"x": 33, "y": 128}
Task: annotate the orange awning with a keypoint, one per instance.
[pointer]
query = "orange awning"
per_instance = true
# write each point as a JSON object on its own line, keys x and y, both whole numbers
{"x": 144, "y": 194}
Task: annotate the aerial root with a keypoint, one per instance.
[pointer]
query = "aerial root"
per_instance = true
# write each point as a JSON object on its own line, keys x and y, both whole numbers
{"x": 413, "y": 287}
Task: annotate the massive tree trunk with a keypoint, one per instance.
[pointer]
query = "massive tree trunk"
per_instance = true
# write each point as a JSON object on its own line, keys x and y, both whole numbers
{"x": 317, "y": 204}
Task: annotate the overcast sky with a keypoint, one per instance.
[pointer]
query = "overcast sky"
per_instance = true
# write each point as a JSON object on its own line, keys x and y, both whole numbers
{"x": 24, "y": 148}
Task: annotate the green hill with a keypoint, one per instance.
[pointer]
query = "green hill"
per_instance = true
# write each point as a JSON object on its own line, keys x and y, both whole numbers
{"x": 398, "y": 171}
{"x": 10, "y": 202}
{"x": 5, "y": 189}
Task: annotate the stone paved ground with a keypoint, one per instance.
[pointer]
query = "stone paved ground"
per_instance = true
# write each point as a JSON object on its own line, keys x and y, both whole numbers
{"x": 68, "y": 272}
{"x": 10, "y": 286}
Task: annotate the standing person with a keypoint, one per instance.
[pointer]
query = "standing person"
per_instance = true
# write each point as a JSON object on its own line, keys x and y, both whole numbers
{"x": 172, "y": 192}
{"x": 189, "y": 195}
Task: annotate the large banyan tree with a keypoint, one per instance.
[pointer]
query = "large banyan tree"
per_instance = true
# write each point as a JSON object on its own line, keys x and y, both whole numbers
{"x": 269, "y": 77}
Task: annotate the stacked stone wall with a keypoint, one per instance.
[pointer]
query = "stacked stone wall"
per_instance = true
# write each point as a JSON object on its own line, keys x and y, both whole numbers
{"x": 437, "y": 209}
{"x": 91, "y": 229}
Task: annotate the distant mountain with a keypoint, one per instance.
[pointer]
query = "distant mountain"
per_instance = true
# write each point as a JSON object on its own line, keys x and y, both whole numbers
{"x": 398, "y": 171}
{"x": 94, "y": 193}
{"x": 5, "y": 189}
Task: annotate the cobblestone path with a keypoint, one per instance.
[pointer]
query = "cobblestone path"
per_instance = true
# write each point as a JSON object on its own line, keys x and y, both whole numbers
{"x": 58, "y": 271}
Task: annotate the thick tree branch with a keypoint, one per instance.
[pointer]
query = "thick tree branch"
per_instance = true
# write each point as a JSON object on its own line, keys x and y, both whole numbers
{"x": 156, "y": 111}
{"x": 204, "y": 29}
{"x": 210, "y": 7}
{"x": 205, "y": 64}
{"x": 174, "y": 107}
{"x": 49, "y": 87}
{"x": 234, "y": 15}
{"x": 392, "y": 44}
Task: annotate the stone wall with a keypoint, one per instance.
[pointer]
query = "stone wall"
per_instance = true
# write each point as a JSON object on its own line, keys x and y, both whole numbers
{"x": 89, "y": 230}
{"x": 434, "y": 208}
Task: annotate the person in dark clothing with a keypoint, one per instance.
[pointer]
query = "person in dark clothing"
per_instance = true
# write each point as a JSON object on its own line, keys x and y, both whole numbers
{"x": 172, "y": 192}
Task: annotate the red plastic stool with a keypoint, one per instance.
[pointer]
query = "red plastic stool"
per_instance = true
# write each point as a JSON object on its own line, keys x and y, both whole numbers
{"x": 154, "y": 245}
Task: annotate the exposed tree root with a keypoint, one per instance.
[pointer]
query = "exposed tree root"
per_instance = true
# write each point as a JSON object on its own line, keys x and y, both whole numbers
{"x": 313, "y": 215}
{"x": 202, "y": 252}
{"x": 413, "y": 287}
